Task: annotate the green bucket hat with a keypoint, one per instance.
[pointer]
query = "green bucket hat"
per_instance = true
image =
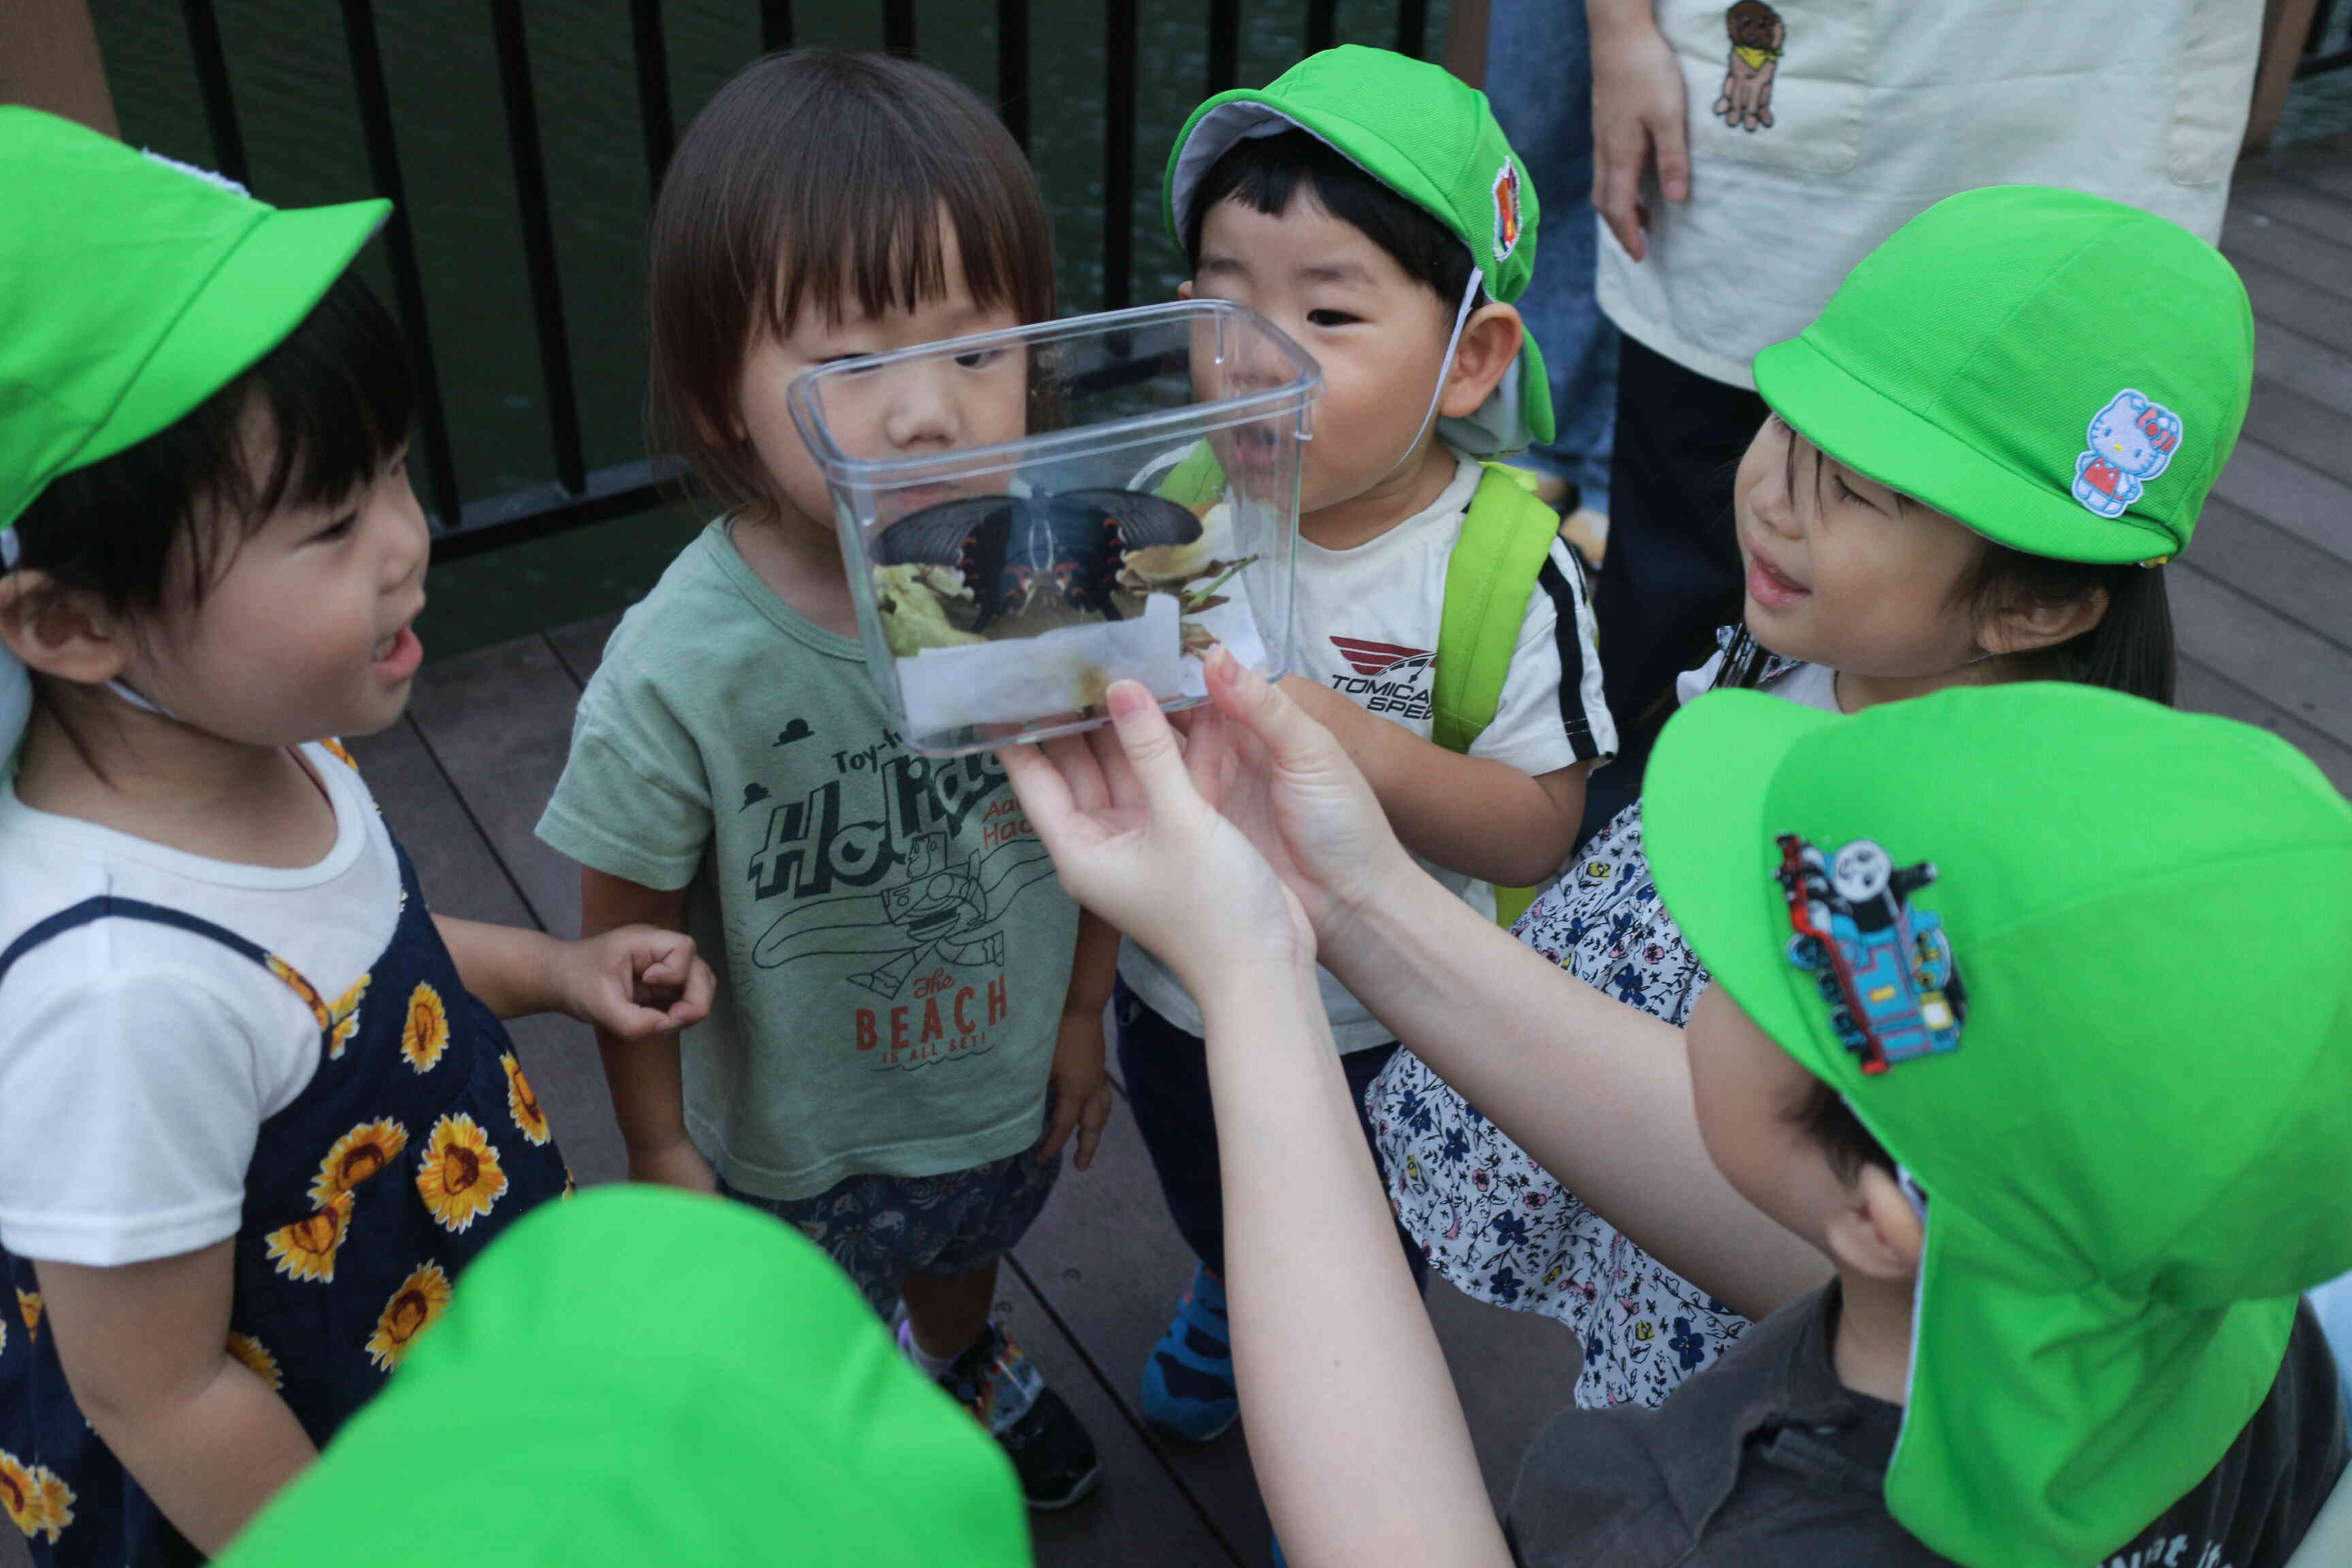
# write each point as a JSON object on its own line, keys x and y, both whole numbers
{"x": 2046, "y": 903}
{"x": 649, "y": 1376}
{"x": 2064, "y": 373}
{"x": 1426, "y": 135}
{"x": 132, "y": 289}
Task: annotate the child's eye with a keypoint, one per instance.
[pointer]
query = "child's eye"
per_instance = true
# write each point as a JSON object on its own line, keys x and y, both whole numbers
{"x": 339, "y": 529}
{"x": 1329, "y": 318}
{"x": 849, "y": 360}
{"x": 980, "y": 359}
{"x": 1851, "y": 494}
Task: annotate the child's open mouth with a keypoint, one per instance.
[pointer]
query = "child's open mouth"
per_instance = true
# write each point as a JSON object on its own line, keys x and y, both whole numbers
{"x": 397, "y": 655}
{"x": 1253, "y": 447}
{"x": 1771, "y": 587}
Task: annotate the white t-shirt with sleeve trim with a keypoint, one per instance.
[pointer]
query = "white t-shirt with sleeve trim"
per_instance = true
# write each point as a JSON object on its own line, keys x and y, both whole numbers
{"x": 1365, "y": 623}
{"x": 138, "y": 1061}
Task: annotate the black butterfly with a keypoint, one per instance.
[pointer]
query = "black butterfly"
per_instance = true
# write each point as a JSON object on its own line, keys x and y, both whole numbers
{"x": 1051, "y": 554}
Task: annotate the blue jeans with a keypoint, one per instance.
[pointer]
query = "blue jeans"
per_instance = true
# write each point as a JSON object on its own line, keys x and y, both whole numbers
{"x": 1539, "y": 81}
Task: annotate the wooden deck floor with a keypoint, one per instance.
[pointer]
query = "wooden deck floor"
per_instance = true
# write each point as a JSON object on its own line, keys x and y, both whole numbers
{"x": 2264, "y": 607}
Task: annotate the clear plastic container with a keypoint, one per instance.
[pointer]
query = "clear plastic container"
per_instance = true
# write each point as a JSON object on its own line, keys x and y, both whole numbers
{"x": 1030, "y": 515}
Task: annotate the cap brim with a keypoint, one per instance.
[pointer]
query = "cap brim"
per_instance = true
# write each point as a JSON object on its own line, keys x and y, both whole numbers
{"x": 2123, "y": 1412}
{"x": 258, "y": 295}
{"x": 1713, "y": 855}
{"x": 1882, "y": 440}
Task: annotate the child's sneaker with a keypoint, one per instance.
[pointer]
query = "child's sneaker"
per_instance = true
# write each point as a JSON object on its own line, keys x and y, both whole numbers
{"x": 1188, "y": 1384}
{"x": 996, "y": 1381}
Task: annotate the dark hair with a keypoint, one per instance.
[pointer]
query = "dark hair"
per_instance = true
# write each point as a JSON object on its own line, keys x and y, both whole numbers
{"x": 2131, "y": 650}
{"x": 338, "y": 403}
{"x": 1825, "y": 1117}
{"x": 818, "y": 177}
{"x": 1264, "y": 172}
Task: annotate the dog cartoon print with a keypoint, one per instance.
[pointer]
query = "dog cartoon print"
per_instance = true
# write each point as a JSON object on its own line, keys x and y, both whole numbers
{"x": 2129, "y": 442}
{"x": 1757, "y": 33}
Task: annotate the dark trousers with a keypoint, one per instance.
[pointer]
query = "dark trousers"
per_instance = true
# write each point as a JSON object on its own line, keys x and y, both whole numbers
{"x": 1167, "y": 1074}
{"x": 1671, "y": 576}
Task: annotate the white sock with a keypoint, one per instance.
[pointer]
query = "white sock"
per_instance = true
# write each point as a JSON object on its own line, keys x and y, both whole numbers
{"x": 934, "y": 1366}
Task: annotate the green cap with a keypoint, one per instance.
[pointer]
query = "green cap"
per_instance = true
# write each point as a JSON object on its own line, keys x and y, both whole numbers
{"x": 1426, "y": 135}
{"x": 649, "y": 1376}
{"x": 132, "y": 289}
{"x": 2130, "y": 1116}
{"x": 2064, "y": 373}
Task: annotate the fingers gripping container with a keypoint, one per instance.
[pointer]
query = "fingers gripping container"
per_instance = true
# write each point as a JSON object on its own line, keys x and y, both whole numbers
{"x": 1030, "y": 515}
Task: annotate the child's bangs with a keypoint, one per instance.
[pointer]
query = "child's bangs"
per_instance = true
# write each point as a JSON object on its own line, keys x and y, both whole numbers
{"x": 873, "y": 237}
{"x": 339, "y": 400}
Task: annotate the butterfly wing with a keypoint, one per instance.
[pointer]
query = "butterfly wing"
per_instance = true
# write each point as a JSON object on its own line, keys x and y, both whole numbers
{"x": 1139, "y": 519}
{"x": 952, "y": 533}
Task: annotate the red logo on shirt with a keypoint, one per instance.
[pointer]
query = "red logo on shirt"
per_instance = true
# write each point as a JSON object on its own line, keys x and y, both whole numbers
{"x": 1369, "y": 659}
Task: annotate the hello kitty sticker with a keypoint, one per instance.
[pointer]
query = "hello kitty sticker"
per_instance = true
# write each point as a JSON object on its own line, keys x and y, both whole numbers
{"x": 2131, "y": 441}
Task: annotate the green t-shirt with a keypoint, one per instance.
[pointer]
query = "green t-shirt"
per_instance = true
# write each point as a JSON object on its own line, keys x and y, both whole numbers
{"x": 892, "y": 947}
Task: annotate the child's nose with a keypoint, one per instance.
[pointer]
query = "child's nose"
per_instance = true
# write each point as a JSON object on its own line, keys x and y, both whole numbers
{"x": 923, "y": 413}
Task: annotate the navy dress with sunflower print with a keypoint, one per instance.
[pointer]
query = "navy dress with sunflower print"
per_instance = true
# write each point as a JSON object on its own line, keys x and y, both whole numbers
{"x": 416, "y": 1143}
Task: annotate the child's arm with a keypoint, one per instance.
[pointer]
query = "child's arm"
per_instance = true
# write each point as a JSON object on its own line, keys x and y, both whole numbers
{"x": 1081, "y": 1082}
{"x": 1476, "y": 816}
{"x": 642, "y": 1073}
{"x": 632, "y": 981}
{"x": 142, "y": 1347}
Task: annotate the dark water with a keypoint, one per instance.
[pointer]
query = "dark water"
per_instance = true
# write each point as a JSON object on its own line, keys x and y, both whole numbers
{"x": 289, "y": 70}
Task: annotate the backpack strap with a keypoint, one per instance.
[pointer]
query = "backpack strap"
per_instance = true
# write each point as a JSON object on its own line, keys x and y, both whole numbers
{"x": 1506, "y": 536}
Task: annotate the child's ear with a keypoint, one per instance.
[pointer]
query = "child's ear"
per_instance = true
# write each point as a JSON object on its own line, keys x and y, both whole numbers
{"x": 2031, "y": 625}
{"x": 1184, "y": 290}
{"x": 1490, "y": 341}
{"x": 1876, "y": 1232}
{"x": 61, "y": 632}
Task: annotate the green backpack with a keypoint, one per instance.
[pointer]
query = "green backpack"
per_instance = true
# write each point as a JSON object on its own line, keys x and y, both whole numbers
{"x": 1506, "y": 536}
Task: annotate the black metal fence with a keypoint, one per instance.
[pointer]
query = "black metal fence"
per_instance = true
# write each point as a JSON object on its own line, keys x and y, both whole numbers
{"x": 577, "y": 494}
{"x": 2316, "y": 56}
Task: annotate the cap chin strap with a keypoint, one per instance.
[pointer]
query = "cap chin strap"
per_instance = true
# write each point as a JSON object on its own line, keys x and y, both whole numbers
{"x": 157, "y": 708}
{"x": 1444, "y": 373}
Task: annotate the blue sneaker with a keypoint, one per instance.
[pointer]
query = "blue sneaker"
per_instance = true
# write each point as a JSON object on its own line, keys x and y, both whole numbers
{"x": 1188, "y": 1384}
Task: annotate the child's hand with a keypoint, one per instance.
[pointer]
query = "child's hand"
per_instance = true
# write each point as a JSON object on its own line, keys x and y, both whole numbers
{"x": 1081, "y": 1090}
{"x": 633, "y": 982}
{"x": 1133, "y": 841}
{"x": 674, "y": 1164}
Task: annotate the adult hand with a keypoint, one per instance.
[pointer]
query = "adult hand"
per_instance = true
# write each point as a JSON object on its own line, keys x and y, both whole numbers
{"x": 1637, "y": 105}
{"x": 1289, "y": 786}
{"x": 1133, "y": 841}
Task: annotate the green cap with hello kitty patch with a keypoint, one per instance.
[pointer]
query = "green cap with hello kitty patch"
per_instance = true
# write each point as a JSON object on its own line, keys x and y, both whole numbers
{"x": 2062, "y": 374}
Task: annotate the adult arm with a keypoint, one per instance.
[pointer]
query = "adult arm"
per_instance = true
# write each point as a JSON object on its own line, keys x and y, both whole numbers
{"x": 1637, "y": 107}
{"x": 141, "y": 1345}
{"x": 1477, "y": 815}
{"x": 642, "y": 1074}
{"x": 1597, "y": 1092}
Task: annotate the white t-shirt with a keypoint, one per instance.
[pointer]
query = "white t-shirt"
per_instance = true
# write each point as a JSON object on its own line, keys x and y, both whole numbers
{"x": 1806, "y": 685}
{"x": 1365, "y": 623}
{"x": 1880, "y": 111}
{"x": 138, "y": 1061}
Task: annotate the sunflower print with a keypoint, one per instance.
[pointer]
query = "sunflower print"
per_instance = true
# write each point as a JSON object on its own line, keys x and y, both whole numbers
{"x": 343, "y": 1017}
{"x": 302, "y": 988}
{"x": 571, "y": 1184}
{"x": 37, "y": 1500}
{"x": 459, "y": 1178}
{"x": 29, "y": 1305}
{"x": 426, "y": 1034}
{"x": 334, "y": 749}
{"x": 256, "y": 1358}
{"x": 306, "y": 1248}
{"x": 357, "y": 1155}
{"x": 423, "y": 1297}
{"x": 523, "y": 1104}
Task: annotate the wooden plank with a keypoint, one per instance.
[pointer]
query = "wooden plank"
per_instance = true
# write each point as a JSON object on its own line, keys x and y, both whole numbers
{"x": 2280, "y": 300}
{"x": 581, "y": 644}
{"x": 2294, "y": 359}
{"x": 2285, "y": 200}
{"x": 2308, "y": 677}
{"x": 500, "y": 722}
{"x": 1139, "y": 1517}
{"x": 461, "y": 877}
{"x": 2304, "y": 428}
{"x": 2305, "y": 585}
{"x": 2289, "y": 247}
{"x": 2300, "y": 499}
{"x": 1107, "y": 1260}
{"x": 2204, "y": 691}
